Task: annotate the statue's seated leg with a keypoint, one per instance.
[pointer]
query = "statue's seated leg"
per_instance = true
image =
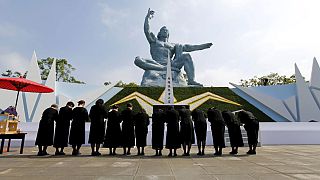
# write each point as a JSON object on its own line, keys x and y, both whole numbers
{"x": 148, "y": 64}
{"x": 185, "y": 60}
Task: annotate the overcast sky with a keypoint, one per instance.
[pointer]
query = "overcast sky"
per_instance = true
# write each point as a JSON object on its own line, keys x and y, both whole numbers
{"x": 101, "y": 38}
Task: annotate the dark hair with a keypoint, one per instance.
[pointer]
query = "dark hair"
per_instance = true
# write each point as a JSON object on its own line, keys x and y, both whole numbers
{"x": 99, "y": 102}
{"x": 54, "y": 106}
{"x": 114, "y": 106}
{"x": 129, "y": 105}
{"x": 81, "y": 102}
{"x": 70, "y": 103}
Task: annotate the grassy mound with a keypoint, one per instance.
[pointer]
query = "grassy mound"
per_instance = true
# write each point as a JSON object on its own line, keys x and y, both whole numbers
{"x": 182, "y": 93}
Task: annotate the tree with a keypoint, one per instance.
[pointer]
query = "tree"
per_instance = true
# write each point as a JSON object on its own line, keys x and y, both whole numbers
{"x": 267, "y": 80}
{"x": 107, "y": 83}
{"x": 9, "y": 73}
{"x": 63, "y": 70}
{"x": 123, "y": 84}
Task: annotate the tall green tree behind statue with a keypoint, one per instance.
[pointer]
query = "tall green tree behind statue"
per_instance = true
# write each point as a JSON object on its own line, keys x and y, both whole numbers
{"x": 268, "y": 80}
{"x": 63, "y": 70}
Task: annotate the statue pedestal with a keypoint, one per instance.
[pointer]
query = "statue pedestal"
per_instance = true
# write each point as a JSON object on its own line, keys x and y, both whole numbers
{"x": 153, "y": 78}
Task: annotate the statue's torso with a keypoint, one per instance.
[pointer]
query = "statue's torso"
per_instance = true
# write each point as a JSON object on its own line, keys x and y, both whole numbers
{"x": 159, "y": 51}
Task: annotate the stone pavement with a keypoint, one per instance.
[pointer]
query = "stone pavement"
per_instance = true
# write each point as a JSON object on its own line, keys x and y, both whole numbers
{"x": 271, "y": 162}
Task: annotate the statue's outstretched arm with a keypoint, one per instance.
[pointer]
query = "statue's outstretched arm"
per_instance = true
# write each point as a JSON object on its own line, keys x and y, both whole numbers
{"x": 149, "y": 35}
{"x": 189, "y": 47}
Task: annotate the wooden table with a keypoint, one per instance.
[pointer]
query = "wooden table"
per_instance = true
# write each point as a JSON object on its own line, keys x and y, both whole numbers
{"x": 3, "y": 137}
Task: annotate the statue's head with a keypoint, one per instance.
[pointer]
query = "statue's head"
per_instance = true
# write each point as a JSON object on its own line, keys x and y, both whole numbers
{"x": 163, "y": 33}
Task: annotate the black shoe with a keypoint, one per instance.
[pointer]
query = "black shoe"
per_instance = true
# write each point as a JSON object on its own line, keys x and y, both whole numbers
{"x": 57, "y": 153}
{"x": 39, "y": 154}
{"x": 98, "y": 153}
{"x": 175, "y": 154}
{"x": 128, "y": 153}
{"x": 202, "y": 154}
{"x": 45, "y": 153}
{"x": 254, "y": 152}
{"x": 62, "y": 153}
{"x": 142, "y": 154}
{"x": 160, "y": 153}
{"x": 199, "y": 153}
{"x": 93, "y": 153}
{"x": 170, "y": 154}
{"x": 250, "y": 152}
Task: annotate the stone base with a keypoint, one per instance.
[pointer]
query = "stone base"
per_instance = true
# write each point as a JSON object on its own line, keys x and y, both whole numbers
{"x": 157, "y": 79}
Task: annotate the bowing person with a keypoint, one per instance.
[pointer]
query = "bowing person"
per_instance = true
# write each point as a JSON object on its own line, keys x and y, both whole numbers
{"x": 46, "y": 129}
{"x": 113, "y": 137}
{"x": 158, "y": 120}
{"x": 234, "y": 131}
{"x": 62, "y": 128}
{"x": 141, "y": 130}
{"x": 97, "y": 114}
{"x": 77, "y": 132}
{"x": 200, "y": 126}
{"x": 128, "y": 137}
{"x": 217, "y": 128}
{"x": 186, "y": 130}
{"x": 251, "y": 125}
{"x": 172, "y": 140}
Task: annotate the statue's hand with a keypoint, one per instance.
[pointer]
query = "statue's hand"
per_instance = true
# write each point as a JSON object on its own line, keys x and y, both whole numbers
{"x": 150, "y": 13}
{"x": 209, "y": 45}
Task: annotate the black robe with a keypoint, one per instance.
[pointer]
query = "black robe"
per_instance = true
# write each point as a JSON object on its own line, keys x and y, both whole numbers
{"x": 158, "y": 120}
{"x": 186, "y": 126}
{"x": 217, "y": 127}
{"x": 46, "y": 127}
{"x": 251, "y": 125}
{"x": 77, "y": 131}
{"x": 200, "y": 124}
{"x": 128, "y": 137}
{"x": 141, "y": 128}
{"x": 172, "y": 120}
{"x": 113, "y": 137}
{"x": 234, "y": 129}
{"x": 63, "y": 127}
{"x": 97, "y": 127}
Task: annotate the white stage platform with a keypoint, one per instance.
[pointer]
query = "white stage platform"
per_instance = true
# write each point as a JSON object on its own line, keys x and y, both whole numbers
{"x": 271, "y": 133}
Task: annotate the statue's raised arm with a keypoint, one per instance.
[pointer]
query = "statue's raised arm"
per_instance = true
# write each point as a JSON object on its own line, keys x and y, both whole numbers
{"x": 149, "y": 35}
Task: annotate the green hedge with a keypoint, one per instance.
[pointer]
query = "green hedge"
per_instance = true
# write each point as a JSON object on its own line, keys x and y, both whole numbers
{"x": 182, "y": 93}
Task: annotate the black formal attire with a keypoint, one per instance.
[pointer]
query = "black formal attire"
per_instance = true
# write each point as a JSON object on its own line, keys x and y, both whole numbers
{"x": 200, "y": 124}
{"x": 77, "y": 131}
{"x": 113, "y": 137}
{"x": 251, "y": 125}
{"x": 186, "y": 126}
{"x": 128, "y": 137}
{"x": 97, "y": 128}
{"x": 158, "y": 120}
{"x": 234, "y": 129}
{"x": 62, "y": 127}
{"x": 172, "y": 120}
{"x": 217, "y": 127}
{"x": 141, "y": 128}
{"x": 46, "y": 127}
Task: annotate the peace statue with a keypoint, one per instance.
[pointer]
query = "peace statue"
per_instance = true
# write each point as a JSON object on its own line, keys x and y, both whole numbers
{"x": 161, "y": 50}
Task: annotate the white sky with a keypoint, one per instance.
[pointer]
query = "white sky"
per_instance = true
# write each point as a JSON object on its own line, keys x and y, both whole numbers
{"x": 101, "y": 38}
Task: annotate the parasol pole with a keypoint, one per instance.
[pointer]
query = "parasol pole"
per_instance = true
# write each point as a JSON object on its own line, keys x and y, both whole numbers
{"x": 17, "y": 100}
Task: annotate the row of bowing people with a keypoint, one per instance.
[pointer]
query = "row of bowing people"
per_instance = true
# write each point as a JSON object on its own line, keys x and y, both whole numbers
{"x": 127, "y": 129}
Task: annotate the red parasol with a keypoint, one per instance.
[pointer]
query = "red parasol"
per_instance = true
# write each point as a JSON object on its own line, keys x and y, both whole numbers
{"x": 24, "y": 85}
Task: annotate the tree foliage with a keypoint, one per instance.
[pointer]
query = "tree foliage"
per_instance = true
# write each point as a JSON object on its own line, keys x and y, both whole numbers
{"x": 123, "y": 84}
{"x": 267, "y": 80}
{"x": 10, "y": 73}
{"x": 63, "y": 70}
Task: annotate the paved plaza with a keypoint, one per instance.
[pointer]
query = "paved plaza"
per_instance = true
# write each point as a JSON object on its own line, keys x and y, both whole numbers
{"x": 271, "y": 162}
